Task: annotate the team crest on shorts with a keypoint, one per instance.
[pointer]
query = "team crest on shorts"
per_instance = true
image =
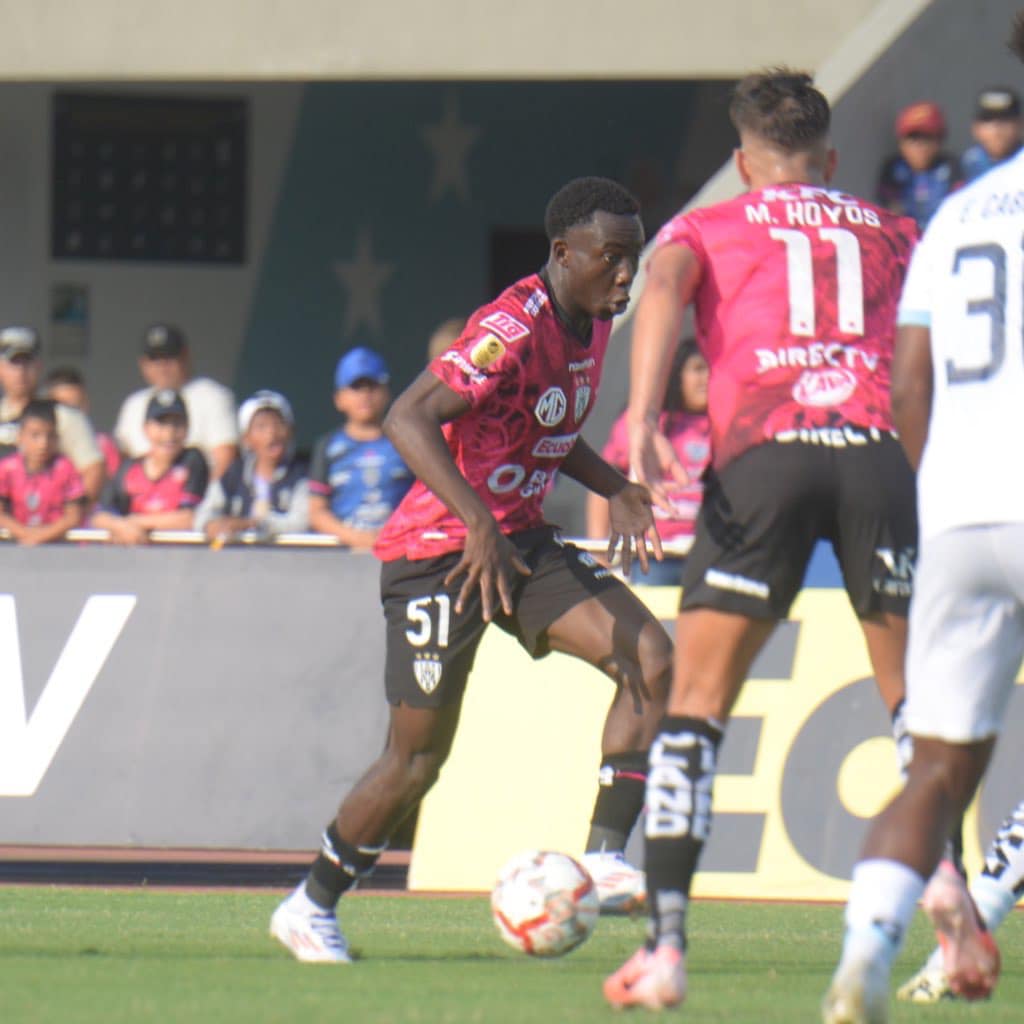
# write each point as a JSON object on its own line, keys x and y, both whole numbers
{"x": 427, "y": 669}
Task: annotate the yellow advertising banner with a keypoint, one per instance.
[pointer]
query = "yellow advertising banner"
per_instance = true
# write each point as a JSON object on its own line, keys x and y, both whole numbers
{"x": 807, "y": 760}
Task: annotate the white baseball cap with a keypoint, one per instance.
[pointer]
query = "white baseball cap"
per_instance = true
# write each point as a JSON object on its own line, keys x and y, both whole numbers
{"x": 264, "y": 400}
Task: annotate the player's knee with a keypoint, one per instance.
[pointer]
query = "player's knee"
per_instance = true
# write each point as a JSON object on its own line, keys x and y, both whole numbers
{"x": 655, "y": 654}
{"x": 953, "y": 770}
{"x": 422, "y": 772}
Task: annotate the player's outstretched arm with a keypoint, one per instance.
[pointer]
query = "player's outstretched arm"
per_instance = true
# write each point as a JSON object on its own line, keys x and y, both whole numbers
{"x": 671, "y": 281}
{"x": 912, "y": 384}
{"x": 413, "y": 425}
{"x": 630, "y": 511}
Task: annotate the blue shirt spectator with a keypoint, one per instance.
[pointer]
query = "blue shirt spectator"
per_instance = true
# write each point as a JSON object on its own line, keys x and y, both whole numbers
{"x": 997, "y": 129}
{"x": 356, "y": 477}
{"x": 916, "y": 179}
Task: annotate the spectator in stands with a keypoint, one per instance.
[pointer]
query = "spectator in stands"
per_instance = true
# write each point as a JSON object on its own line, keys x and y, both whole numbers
{"x": 916, "y": 179}
{"x": 20, "y": 371}
{"x": 685, "y": 423}
{"x": 265, "y": 490}
{"x": 356, "y": 478}
{"x": 41, "y": 492}
{"x": 444, "y": 335}
{"x": 66, "y": 385}
{"x": 997, "y": 129}
{"x": 161, "y": 489}
{"x": 166, "y": 364}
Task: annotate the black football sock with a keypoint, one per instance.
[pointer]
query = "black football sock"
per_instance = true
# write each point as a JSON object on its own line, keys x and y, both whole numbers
{"x": 338, "y": 866}
{"x": 678, "y": 820}
{"x": 620, "y": 799}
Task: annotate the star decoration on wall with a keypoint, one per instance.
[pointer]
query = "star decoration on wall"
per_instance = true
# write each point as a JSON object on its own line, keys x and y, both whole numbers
{"x": 363, "y": 278}
{"x": 450, "y": 141}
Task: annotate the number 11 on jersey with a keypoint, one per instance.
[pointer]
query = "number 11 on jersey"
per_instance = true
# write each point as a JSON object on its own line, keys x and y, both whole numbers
{"x": 800, "y": 276}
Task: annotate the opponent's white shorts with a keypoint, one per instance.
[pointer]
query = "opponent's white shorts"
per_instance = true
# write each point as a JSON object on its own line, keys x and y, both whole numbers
{"x": 966, "y": 632}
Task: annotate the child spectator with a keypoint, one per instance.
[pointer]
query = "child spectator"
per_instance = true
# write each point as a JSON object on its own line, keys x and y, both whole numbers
{"x": 159, "y": 490}
{"x": 265, "y": 489}
{"x": 917, "y": 178}
{"x": 66, "y": 385}
{"x": 356, "y": 478}
{"x": 20, "y": 371}
{"x": 684, "y": 422}
{"x": 41, "y": 492}
{"x": 997, "y": 129}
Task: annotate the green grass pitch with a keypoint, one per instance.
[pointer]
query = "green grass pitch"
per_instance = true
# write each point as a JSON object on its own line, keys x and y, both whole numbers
{"x": 86, "y": 955}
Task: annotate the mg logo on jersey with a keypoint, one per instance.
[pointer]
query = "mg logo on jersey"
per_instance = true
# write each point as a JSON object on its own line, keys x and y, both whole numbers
{"x": 824, "y": 388}
{"x": 427, "y": 669}
{"x": 580, "y": 402}
{"x": 554, "y": 447}
{"x": 551, "y": 407}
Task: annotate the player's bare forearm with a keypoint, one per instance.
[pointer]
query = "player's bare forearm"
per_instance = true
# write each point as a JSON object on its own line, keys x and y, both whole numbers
{"x": 11, "y": 525}
{"x": 586, "y": 467}
{"x": 413, "y": 425}
{"x": 671, "y": 282}
{"x": 45, "y": 533}
{"x": 912, "y": 385}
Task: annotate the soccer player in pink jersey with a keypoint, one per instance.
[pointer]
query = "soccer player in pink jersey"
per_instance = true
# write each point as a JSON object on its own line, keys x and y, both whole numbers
{"x": 485, "y": 428}
{"x": 41, "y": 493}
{"x": 795, "y": 288}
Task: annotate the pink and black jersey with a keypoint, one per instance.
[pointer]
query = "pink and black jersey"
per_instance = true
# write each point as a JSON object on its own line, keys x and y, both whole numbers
{"x": 36, "y": 499}
{"x": 132, "y": 491}
{"x": 530, "y": 383}
{"x": 795, "y": 313}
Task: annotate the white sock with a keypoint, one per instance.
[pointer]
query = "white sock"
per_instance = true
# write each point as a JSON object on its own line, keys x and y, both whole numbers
{"x": 883, "y": 898}
{"x": 301, "y": 902}
{"x": 994, "y": 900}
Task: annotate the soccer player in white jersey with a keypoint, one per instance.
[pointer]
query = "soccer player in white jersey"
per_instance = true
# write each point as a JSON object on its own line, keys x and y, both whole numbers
{"x": 957, "y": 389}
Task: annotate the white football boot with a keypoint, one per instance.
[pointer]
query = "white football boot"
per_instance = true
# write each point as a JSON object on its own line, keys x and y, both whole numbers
{"x": 859, "y": 994}
{"x": 621, "y": 888}
{"x": 309, "y": 932}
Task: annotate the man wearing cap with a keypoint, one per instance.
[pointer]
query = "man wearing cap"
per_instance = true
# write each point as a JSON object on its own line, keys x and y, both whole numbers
{"x": 916, "y": 179}
{"x": 356, "y": 478}
{"x": 20, "y": 371}
{"x": 161, "y": 489}
{"x": 997, "y": 129}
{"x": 265, "y": 490}
{"x": 166, "y": 363}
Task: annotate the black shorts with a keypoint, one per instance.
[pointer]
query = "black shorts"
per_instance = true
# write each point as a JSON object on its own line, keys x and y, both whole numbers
{"x": 430, "y": 649}
{"x": 764, "y": 512}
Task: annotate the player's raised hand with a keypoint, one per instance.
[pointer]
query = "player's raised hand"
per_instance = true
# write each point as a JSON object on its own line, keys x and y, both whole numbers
{"x": 631, "y": 523}
{"x": 489, "y": 561}
{"x": 653, "y": 462}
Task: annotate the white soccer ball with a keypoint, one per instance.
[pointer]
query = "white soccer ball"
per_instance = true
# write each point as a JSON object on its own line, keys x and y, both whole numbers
{"x": 544, "y": 903}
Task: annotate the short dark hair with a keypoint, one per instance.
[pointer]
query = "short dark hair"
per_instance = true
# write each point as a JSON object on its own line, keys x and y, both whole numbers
{"x": 40, "y": 409}
{"x": 578, "y": 201}
{"x": 1016, "y": 40}
{"x": 66, "y": 376}
{"x": 783, "y": 107}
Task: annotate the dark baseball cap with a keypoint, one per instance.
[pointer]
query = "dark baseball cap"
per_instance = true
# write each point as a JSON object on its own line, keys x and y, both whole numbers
{"x": 997, "y": 104}
{"x": 19, "y": 341}
{"x": 360, "y": 364}
{"x": 163, "y": 341}
{"x": 166, "y": 403}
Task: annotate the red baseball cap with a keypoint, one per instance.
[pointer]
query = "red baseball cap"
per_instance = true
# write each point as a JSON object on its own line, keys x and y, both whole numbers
{"x": 921, "y": 119}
